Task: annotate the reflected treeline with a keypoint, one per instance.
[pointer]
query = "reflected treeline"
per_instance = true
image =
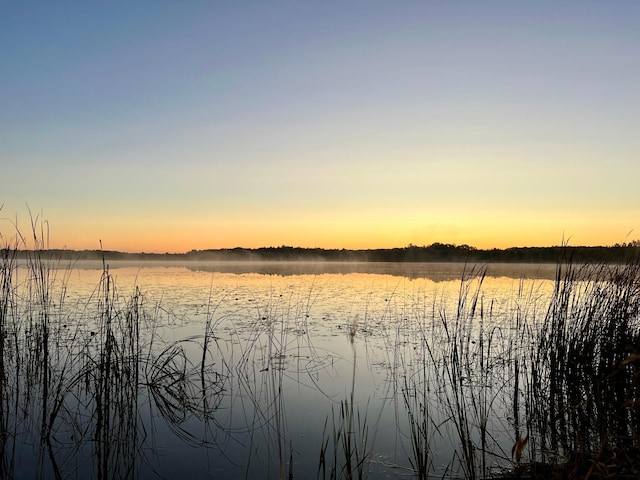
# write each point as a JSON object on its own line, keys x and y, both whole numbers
{"x": 436, "y": 252}
{"x": 434, "y": 271}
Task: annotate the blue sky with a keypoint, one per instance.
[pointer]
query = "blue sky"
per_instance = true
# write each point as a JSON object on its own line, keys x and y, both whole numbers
{"x": 166, "y": 126}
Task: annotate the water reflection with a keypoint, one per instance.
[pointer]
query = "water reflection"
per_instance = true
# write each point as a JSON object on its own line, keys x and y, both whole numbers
{"x": 170, "y": 371}
{"x": 436, "y": 272}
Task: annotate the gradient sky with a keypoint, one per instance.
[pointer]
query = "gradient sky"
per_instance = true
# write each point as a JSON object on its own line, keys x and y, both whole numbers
{"x": 166, "y": 126}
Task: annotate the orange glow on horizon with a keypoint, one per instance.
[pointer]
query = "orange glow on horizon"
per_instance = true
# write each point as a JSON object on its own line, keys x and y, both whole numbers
{"x": 163, "y": 240}
{"x": 346, "y": 230}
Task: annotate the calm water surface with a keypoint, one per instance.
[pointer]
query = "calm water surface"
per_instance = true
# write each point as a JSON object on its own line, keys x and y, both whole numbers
{"x": 290, "y": 344}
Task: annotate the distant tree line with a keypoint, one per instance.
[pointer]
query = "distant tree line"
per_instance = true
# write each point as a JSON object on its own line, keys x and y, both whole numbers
{"x": 436, "y": 252}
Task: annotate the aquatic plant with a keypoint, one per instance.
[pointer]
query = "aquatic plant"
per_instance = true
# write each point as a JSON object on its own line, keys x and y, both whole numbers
{"x": 73, "y": 378}
{"x": 583, "y": 385}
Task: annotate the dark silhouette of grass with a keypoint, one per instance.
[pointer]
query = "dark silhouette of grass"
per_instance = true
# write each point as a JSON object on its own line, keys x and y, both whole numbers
{"x": 72, "y": 377}
{"x": 569, "y": 381}
{"x": 583, "y": 374}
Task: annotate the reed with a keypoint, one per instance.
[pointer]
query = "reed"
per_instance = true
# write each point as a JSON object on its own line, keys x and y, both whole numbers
{"x": 415, "y": 394}
{"x": 571, "y": 379}
{"x": 583, "y": 386}
{"x": 73, "y": 377}
{"x": 8, "y": 353}
{"x": 461, "y": 394}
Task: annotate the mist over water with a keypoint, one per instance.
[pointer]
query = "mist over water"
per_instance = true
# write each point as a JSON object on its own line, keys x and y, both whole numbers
{"x": 428, "y": 270}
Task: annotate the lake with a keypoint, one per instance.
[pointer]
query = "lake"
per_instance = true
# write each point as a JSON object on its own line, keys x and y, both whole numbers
{"x": 265, "y": 370}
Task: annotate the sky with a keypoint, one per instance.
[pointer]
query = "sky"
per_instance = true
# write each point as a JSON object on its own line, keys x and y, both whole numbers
{"x": 163, "y": 126}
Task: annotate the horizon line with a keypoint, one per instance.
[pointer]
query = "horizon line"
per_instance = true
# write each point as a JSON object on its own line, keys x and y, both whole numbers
{"x": 634, "y": 243}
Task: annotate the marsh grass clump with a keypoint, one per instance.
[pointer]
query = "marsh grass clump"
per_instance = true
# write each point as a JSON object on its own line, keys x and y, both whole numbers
{"x": 583, "y": 407}
{"x": 552, "y": 393}
{"x": 74, "y": 378}
{"x": 475, "y": 375}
